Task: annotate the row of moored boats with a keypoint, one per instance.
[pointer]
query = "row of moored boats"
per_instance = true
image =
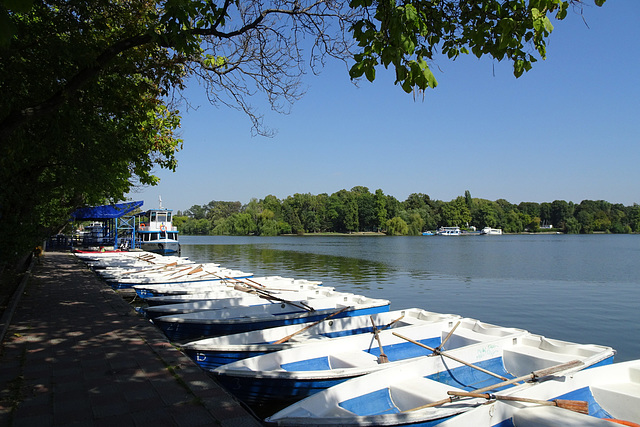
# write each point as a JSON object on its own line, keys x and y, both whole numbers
{"x": 326, "y": 358}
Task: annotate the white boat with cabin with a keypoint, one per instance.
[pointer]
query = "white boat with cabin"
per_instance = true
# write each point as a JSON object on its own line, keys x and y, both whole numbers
{"x": 449, "y": 231}
{"x": 158, "y": 234}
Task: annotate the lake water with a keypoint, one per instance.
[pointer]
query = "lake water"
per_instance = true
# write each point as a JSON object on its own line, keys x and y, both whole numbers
{"x": 581, "y": 288}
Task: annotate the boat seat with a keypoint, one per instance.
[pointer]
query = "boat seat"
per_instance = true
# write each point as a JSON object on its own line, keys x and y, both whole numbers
{"x": 621, "y": 400}
{"x": 304, "y": 337}
{"x": 352, "y": 359}
{"x": 463, "y": 337}
{"x": 521, "y": 360}
{"x": 552, "y": 416}
{"x": 417, "y": 391}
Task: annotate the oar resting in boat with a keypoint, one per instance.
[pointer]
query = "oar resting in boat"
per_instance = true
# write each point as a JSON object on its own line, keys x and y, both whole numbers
{"x": 534, "y": 376}
{"x": 573, "y": 405}
{"x": 441, "y": 353}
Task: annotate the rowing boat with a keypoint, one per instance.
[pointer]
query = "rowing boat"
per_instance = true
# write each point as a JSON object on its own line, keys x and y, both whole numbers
{"x": 242, "y": 299}
{"x": 190, "y": 326}
{"x": 210, "y": 353}
{"x": 417, "y": 393}
{"x": 268, "y": 283}
{"x": 611, "y": 392}
{"x": 301, "y": 371}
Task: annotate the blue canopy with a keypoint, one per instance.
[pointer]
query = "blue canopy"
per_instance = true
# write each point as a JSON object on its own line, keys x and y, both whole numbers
{"x": 97, "y": 213}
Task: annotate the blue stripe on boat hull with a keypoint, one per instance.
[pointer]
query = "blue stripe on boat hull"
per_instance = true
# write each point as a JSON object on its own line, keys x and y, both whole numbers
{"x": 275, "y": 390}
{"x": 211, "y": 359}
{"x": 257, "y": 390}
{"x": 182, "y": 331}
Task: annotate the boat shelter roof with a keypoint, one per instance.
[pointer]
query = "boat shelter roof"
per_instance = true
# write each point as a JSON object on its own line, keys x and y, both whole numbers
{"x": 97, "y": 213}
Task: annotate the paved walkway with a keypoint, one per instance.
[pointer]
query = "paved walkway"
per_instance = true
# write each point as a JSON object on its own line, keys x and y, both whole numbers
{"x": 76, "y": 354}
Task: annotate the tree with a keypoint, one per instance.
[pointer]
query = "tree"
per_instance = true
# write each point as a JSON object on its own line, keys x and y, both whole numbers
{"x": 88, "y": 85}
{"x": 468, "y": 199}
{"x": 396, "y": 226}
{"x": 197, "y": 212}
{"x": 415, "y": 224}
{"x": 486, "y": 214}
{"x": 67, "y": 144}
{"x": 456, "y": 213}
{"x": 367, "y": 213}
{"x": 561, "y": 211}
{"x": 380, "y": 202}
{"x": 408, "y": 35}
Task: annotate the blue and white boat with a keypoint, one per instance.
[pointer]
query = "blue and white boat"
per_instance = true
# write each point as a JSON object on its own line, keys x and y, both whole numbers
{"x": 190, "y": 274}
{"x": 172, "y": 266}
{"x": 417, "y": 393}
{"x": 211, "y": 353}
{"x": 158, "y": 234}
{"x": 190, "y": 326}
{"x": 266, "y": 283}
{"x": 449, "y": 231}
{"x": 611, "y": 394}
{"x": 301, "y": 371}
{"x": 243, "y": 299}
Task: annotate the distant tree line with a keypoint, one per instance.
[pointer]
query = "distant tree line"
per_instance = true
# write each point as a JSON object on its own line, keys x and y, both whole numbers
{"x": 359, "y": 210}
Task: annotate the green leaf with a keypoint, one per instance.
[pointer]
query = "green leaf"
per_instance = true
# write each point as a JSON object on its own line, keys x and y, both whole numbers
{"x": 19, "y": 6}
{"x": 356, "y": 71}
{"x": 370, "y": 73}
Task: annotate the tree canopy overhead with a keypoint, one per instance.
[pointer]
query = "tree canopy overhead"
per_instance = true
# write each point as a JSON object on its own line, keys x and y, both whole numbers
{"x": 90, "y": 107}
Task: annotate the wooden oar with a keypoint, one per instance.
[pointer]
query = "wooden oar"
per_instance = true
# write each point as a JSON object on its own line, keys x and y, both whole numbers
{"x": 171, "y": 273}
{"x": 288, "y": 337}
{"x": 541, "y": 373}
{"x": 193, "y": 270}
{"x": 447, "y": 337}
{"x": 572, "y": 405}
{"x": 196, "y": 270}
{"x": 388, "y": 325}
{"x": 269, "y": 296}
{"x": 383, "y": 357}
{"x": 173, "y": 264}
{"x": 451, "y": 357}
{"x": 257, "y": 283}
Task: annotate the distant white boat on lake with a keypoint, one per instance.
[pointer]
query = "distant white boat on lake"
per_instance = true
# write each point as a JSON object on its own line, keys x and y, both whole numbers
{"x": 449, "y": 231}
{"x": 491, "y": 231}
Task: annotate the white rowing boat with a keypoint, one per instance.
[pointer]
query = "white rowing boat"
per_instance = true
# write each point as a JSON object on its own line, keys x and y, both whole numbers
{"x": 210, "y": 353}
{"x": 610, "y": 392}
{"x": 418, "y": 392}
{"x": 301, "y": 371}
{"x": 189, "y": 326}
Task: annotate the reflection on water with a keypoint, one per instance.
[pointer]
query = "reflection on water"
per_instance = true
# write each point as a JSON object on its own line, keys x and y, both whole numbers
{"x": 264, "y": 261}
{"x": 575, "y": 288}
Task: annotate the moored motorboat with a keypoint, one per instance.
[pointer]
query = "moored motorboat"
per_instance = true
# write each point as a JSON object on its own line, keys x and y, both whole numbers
{"x": 189, "y": 326}
{"x": 301, "y": 371}
{"x": 449, "y": 231}
{"x": 158, "y": 234}
{"x": 210, "y": 353}
{"x": 418, "y": 392}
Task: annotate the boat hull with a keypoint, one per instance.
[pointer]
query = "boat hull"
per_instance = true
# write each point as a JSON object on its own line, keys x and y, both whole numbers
{"x": 161, "y": 246}
{"x": 402, "y": 395}
{"x": 182, "y": 331}
{"x": 214, "y": 352}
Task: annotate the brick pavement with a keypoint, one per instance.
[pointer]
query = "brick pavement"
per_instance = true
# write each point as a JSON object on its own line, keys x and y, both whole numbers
{"x": 76, "y": 354}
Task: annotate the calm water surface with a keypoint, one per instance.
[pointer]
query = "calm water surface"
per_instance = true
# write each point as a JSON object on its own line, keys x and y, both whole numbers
{"x": 570, "y": 287}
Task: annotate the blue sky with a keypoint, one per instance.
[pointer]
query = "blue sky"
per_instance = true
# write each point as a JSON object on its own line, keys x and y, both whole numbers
{"x": 566, "y": 130}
